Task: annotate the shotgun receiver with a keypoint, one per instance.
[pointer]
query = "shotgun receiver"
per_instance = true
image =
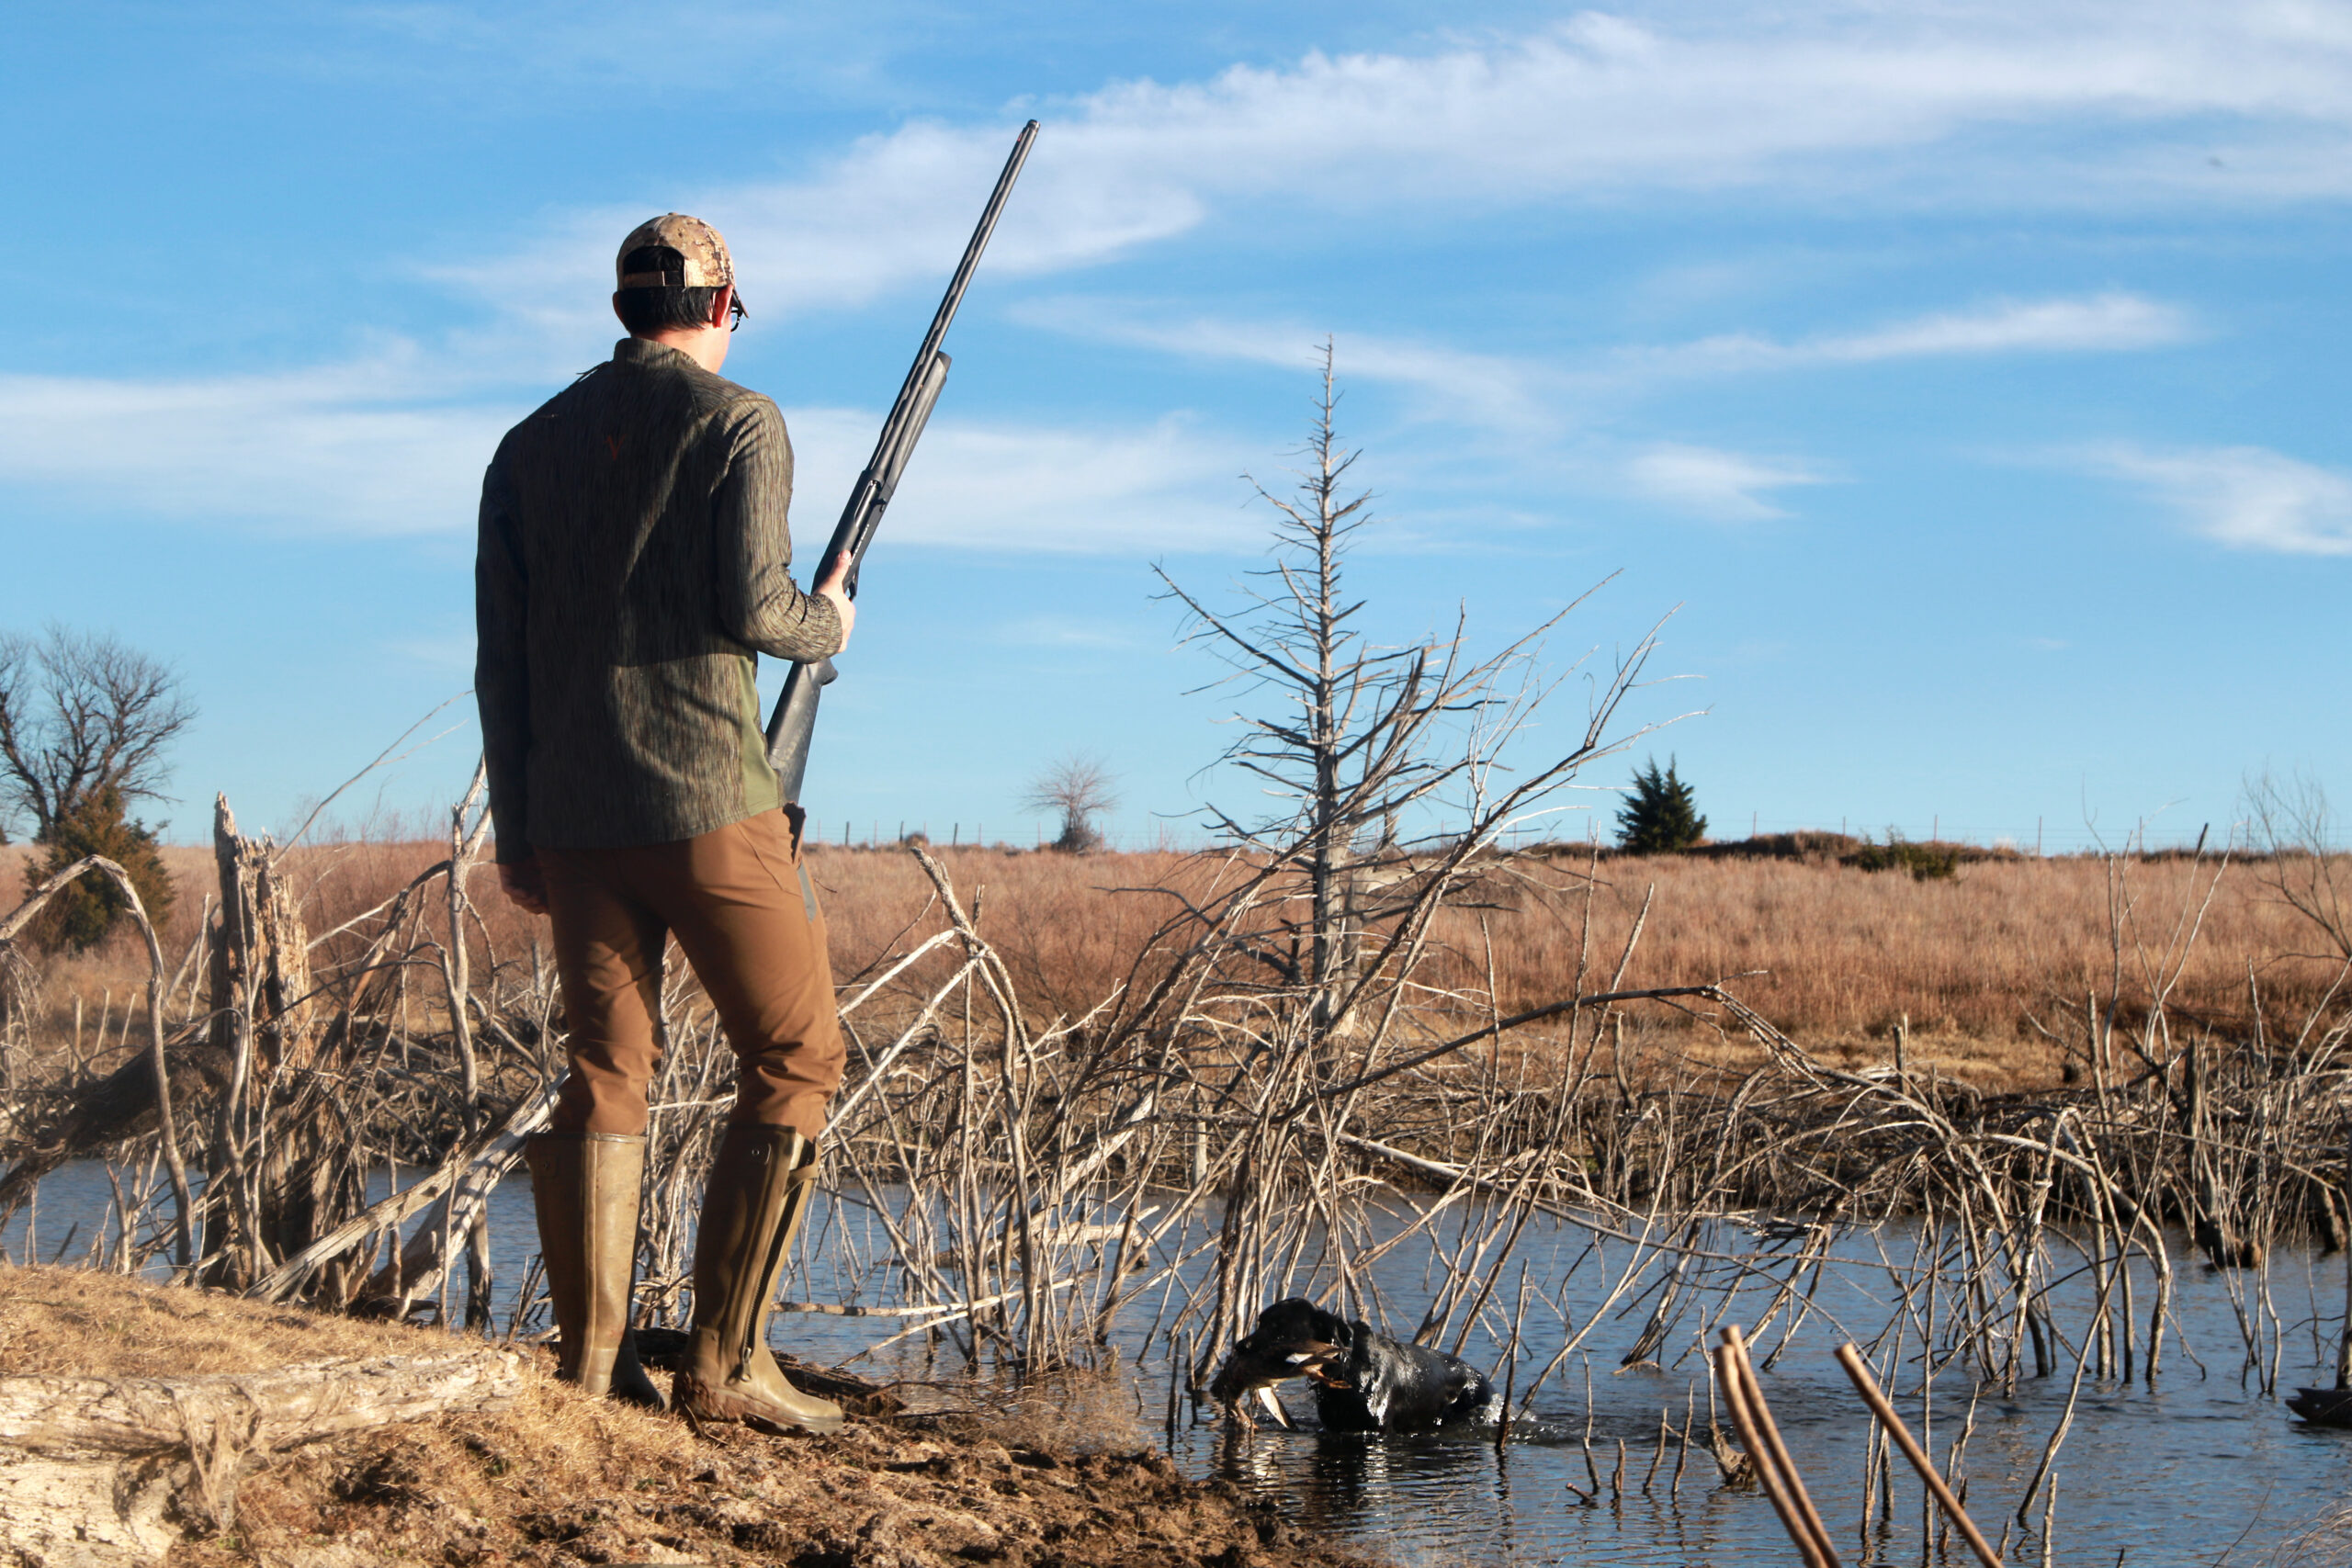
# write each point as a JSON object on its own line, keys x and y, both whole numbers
{"x": 795, "y": 718}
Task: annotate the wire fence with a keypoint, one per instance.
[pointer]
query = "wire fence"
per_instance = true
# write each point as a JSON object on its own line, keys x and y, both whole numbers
{"x": 2041, "y": 838}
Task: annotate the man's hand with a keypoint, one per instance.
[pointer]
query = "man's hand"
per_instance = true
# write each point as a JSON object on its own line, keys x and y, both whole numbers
{"x": 524, "y": 884}
{"x": 834, "y": 589}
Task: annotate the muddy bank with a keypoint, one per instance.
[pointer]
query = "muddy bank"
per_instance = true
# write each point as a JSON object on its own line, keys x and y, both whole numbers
{"x": 556, "y": 1485}
{"x": 553, "y": 1478}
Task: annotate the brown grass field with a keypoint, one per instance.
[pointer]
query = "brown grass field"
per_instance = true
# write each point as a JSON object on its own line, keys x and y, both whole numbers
{"x": 1982, "y": 964}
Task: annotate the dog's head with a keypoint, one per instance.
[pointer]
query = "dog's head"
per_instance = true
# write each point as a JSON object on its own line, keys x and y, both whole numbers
{"x": 1296, "y": 1324}
{"x": 1292, "y": 1339}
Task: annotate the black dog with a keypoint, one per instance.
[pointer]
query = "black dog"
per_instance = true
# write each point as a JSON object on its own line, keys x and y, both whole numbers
{"x": 1364, "y": 1382}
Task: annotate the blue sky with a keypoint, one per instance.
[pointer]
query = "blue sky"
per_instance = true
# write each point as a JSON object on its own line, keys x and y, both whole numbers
{"x": 1969, "y": 380}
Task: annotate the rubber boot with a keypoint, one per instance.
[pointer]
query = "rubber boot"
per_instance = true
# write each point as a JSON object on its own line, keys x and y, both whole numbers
{"x": 585, "y": 1186}
{"x": 760, "y": 1181}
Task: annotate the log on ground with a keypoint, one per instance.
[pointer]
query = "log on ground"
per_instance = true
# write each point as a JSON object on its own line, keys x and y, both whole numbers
{"x": 99, "y": 1472}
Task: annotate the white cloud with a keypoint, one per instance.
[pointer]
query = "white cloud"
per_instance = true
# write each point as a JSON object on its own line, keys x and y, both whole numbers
{"x": 1528, "y": 396}
{"x": 362, "y": 447}
{"x": 2111, "y": 322}
{"x": 1484, "y": 388}
{"x": 1715, "y": 99}
{"x": 2248, "y": 498}
{"x": 895, "y": 211}
{"x": 2103, "y": 323}
{"x": 1061, "y": 631}
{"x": 1726, "y": 487}
{"x": 2024, "y": 105}
{"x": 365, "y": 449}
{"x": 1842, "y": 101}
{"x": 1159, "y": 486}
{"x": 395, "y": 443}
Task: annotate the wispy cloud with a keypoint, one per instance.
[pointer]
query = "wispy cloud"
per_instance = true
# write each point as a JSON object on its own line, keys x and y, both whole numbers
{"x": 2248, "y": 498}
{"x": 362, "y": 447}
{"x": 1062, "y": 632}
{"x": 1486, "y": 388}
{"x": 395, "y": 443}
{"x": 2099, "y": 323}
{"x": 1165, "y": 486}
{"x": 1517, "y": 394}
{"x": 1596, "y": 108}
{"x": 1724, "y": 487}
{"x": 367, "y": 449}
{"x": 2103, "y": 323}
{"x": 2027, "y": 106}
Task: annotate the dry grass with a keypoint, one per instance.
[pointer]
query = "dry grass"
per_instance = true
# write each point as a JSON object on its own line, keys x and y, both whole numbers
{"x": 70, "y": 1323}
{"x": 1834, "y": 955}
{"x": 2327, "y": 1543}
{"x": 1837, "y": 956}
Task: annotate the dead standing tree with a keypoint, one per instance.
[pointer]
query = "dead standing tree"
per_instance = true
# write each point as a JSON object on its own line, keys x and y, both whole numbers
{"x": 304, "y": 1064}
{"x": 262, "y": 1029}
{"x": 1364, "y": 737}
{"x": 1317, "y": 957}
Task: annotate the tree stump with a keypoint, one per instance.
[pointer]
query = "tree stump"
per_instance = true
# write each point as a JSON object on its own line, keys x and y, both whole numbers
{"x": 96, "y": 1472}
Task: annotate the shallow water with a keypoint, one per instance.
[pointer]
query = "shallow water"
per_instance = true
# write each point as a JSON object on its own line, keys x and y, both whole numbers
{"x": 2200, "y": 1468}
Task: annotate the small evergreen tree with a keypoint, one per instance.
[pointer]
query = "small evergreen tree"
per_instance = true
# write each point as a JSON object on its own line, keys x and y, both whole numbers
{"x": 81, "y": 914}
{"x": 1660, "y": 816}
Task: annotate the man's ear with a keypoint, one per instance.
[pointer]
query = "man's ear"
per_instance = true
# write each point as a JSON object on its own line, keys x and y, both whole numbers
{"x": 718, "y": 304}
{"x": 617, "y": 306}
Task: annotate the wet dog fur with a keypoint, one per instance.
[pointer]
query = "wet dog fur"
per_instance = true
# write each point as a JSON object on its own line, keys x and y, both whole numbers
{"x": 1364, "y": 1382}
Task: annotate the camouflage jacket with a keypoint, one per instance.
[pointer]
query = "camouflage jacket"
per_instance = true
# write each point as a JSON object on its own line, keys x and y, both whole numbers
{"x": 633, "y": 560}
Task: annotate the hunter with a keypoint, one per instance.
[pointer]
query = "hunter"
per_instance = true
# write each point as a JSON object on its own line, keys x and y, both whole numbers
{"x": 633, "y": 563}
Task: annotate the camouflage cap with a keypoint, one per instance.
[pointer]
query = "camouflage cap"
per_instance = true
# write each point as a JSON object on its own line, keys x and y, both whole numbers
{"x": 707, "y": 264}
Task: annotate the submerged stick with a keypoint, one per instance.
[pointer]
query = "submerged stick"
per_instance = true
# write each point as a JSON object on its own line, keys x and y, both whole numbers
{"x": 1175, "y": 1378}
{"x": 1769, "y": 1454}
{"x": 1682, "y": 1449}
{"x": 1760, "y": 1456}
{"x": 1866, "y": 1385}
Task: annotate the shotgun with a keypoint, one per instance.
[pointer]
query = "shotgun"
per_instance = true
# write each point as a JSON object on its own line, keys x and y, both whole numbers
{"x": 795, "y": 718}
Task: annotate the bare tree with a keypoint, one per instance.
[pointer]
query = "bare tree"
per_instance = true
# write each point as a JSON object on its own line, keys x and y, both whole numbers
{"x": 2291, "y": 824}
{"x": 82, "y": 712}
{"x": 1364, "y": 736}
{"x": 1396, "y": 772}
{"x": 1078, "y": 790}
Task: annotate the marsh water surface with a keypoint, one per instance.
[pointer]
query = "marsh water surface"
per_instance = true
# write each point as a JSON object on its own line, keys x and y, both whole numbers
{"x": 2200, "y": 1468}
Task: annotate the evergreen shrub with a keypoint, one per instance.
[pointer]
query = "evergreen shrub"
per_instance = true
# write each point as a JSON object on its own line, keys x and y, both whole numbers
{"x": 81, "y": 914}
{"x": 1660, "y": 816}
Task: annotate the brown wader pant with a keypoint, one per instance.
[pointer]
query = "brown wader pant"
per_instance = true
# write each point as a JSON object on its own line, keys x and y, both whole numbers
{"x": 745, "y": 914}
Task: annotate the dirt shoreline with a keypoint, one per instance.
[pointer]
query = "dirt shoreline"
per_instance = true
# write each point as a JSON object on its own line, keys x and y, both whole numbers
{"x": 556, "y": 1479}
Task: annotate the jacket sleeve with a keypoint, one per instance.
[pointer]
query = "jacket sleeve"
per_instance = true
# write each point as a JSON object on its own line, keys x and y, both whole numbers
{"x": 758, "y": 603}
{"x": 502, "y": 668}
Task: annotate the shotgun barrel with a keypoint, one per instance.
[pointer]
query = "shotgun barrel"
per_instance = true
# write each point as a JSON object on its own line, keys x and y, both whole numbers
{"x": 794, "y": 721}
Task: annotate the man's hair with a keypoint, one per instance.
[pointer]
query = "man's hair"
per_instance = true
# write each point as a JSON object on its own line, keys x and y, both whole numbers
{"x": 647, "y": 311}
